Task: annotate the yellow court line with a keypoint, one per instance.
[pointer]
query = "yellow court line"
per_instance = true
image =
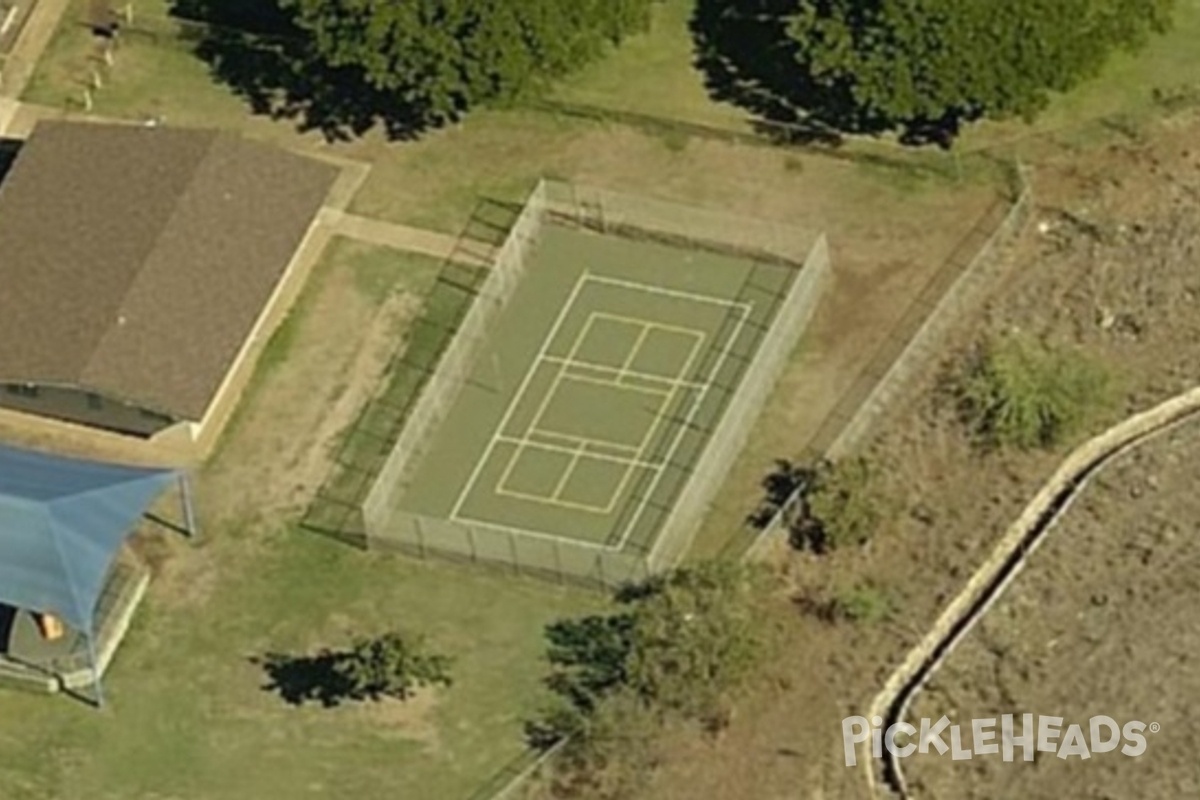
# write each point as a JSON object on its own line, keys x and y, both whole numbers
{"x": 632, "y": 465}
{"x": 665, "y": 399}
{"x": 660, "y": 290}
{"x": 561, "y": 317}
{"x": 696, "y": 404}
{"x": 629, "y": 373}
{"x": 652, "y": 323}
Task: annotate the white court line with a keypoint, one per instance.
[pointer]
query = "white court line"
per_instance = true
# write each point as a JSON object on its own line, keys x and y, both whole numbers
{"x": 554, "y": 537}
{"x": 633, "y": 462}
{"x": 637, "y": 346}
{"x": 631, "y": 466}
{"x": 642, "y": 322}
{"x": 664, "y": 398}
{"x": 566, "y": 476}
{"x": 566, "y": 376}
{"x": 512, "y": 405}
{"x": 554, "y": 439}
{"x": 629, "y": 373}
{"x": 745, "y": 308}
{"x": 651, "y": 289}
{"x": 737, "y": 333}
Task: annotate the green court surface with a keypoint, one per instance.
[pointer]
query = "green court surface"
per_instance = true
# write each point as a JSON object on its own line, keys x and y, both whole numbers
{"x": 599, "y": 385}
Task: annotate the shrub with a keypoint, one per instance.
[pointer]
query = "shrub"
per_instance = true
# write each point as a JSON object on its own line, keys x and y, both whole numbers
{"x": 862, "y": 604}
{"x": 1020, "y": 393}
{"x": 840, "y": 507}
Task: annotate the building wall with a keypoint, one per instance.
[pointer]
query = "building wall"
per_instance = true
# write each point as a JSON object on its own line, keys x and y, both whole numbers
{"x": 75, "y": 405}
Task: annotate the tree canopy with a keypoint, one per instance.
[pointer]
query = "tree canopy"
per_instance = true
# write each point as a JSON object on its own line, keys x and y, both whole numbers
{"x": 680, "y": 648}
{"x": 440, "y": 57}
{"x": 931, "y": 64}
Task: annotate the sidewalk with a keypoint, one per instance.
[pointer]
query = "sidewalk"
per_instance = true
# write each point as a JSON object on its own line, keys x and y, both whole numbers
{"x": 402, "y": 237}
{"x": 35, "y": 36}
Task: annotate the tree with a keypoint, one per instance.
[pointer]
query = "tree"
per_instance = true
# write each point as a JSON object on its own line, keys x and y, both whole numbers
{"x": 683, "y": 645}
{"x": 440, "y": 57}
{"x": 679, "y": 649}
{"x": 393, "y": 665}
{"x": 698, "y": 638}
{"x": 609, "y": 753}
{"x": 1020, "y": 393}
{"x": 590, "y": 657}
{"x": 926, "y": 66}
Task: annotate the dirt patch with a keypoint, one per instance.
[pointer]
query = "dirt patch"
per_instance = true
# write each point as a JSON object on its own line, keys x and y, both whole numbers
{"x": 295, "y": 413}
{"x": 1132, "y": 207}
{"x": 1102, "y": 622}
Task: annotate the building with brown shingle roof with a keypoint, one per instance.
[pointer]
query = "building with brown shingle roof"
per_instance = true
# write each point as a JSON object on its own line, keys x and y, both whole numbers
{"x": 137, "y": 267}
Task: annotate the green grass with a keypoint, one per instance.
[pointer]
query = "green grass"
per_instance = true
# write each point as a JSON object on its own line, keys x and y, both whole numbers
{"x": 377, "y": 273}
{"x": 188, "y": 717}
{"x": 653, "y": 74}
{"x": 447, "y": 293}
{"x": 650, "y": 74}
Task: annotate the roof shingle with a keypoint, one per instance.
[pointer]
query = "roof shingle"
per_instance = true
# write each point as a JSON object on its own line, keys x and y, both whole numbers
{"x": 134, "y": 261}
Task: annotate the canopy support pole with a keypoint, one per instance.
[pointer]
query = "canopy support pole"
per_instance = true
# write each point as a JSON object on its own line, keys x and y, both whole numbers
{"x": 189, "y": 512}
{"x": 97, "y": 687}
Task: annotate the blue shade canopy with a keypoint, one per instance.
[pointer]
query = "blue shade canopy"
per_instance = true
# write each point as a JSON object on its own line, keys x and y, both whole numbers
{"x": 62, "y": 522}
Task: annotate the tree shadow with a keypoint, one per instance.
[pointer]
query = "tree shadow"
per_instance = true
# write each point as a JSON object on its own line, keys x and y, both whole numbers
{"x": 784, "y": 480}
{"x": 258, "y": 51}
{"x": 749, "y": 60}
{"x": 308, "y": 679}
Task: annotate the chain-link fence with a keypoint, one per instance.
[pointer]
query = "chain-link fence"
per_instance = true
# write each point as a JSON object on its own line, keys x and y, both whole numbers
{"x": 966, "y": 277}
{"x": 453, "y": 370}
{"x": 690, "y": 227}
{"x": 783, "y": 284}
{"x": 743, "y": 409}
{"x": 548, "y": 557}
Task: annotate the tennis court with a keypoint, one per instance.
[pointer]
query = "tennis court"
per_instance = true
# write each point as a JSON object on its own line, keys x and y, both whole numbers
{"x": 606, "y": 372}
{"x": 598, "y": 388}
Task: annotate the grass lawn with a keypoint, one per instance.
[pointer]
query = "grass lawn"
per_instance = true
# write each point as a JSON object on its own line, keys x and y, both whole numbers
{"x": 653, "y": 74}
{"x": 188, "y": 715}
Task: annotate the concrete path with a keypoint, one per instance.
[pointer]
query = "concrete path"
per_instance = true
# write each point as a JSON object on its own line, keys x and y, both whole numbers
{"x": 35, "y": 36}
{"x": 8, "y": 111}
{"x": 402, "y": 237}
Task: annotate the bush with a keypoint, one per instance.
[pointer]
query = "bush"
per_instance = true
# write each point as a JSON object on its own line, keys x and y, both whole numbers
{"x": 862, "y": 604}
{"x": 839, "y": 508}
{"x": 1020, "y": 393}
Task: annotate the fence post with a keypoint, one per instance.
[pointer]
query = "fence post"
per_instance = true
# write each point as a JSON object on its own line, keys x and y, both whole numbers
{"x": 474, "y": 548}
